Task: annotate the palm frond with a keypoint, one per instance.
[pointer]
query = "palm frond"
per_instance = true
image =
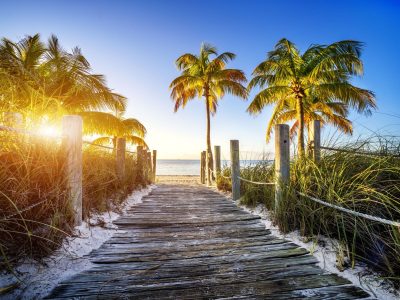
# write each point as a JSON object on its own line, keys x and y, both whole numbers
{"x": 104, "y": 140}
{"x": 136, "y": 140}
{"x": 95, "y": 122}
{"x": 268, "y": 96}
{"x": 134, "y": 127}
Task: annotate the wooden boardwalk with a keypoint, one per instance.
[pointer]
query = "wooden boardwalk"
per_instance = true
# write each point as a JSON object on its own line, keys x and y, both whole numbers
{"x": 189, "y": 242}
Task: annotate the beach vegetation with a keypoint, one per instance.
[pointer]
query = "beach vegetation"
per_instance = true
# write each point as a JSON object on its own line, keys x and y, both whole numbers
{"x": 205, "y": 76}
{"x": 314, "y": 85}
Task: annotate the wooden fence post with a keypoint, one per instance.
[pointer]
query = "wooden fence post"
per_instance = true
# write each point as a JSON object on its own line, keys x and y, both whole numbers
{"x": 203, "y": 167}
{"x": 217, "y": 160}
{"x": 282, "y": 161}
{"x": 149, "y": 167}
{"x": 72, "y": 145}
{"x": 120, "y": 159}
{"x": 139, "y": 163}
{"x": 315, "y": 139}
{"x": 208, "y": 170}
{"x": 154, "y": 164}
{"x": 235, "y": 166}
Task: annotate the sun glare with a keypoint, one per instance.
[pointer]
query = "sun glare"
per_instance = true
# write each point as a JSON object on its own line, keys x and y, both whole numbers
{"x": 48, "y": 130}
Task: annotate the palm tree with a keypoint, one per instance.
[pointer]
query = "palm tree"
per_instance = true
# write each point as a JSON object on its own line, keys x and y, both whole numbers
{"x": 113, "y": 126}
{"x": 20, "y": 79}
{"x": 73, "y": 84}
{"x": 205, "y": 75}
{"x": 48, "y": 78}
{"x": 290, "y": 80}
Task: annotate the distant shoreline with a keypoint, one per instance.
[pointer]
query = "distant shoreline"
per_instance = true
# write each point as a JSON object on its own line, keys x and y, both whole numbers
{"x": 178, "y": 179}
{"x": 176, "y": 175}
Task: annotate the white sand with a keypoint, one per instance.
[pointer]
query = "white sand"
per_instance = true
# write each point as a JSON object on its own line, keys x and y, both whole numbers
{"x": 38, "y": 279}
{"x": 326, "y": 256}
{"x": 178, "y": 179}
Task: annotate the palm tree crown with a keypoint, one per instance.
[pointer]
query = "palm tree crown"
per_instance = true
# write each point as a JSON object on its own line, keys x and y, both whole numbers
{"x": 311, "y": 85}
{"x": 110, "y": 127}
{"x": 48, "y": 78}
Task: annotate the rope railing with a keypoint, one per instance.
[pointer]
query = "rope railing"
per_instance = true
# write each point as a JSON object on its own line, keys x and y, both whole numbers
{"x": 98, "y": 145}
{"x": 26, "y": 132}
{"x": 225, "y": 177}
{"x": 349, "y": 211}
{"x": 72, "y": 142}
{"x": 340, "y": 208}
{"x": 212, "y": 171}
{"x": 256, "y": 182}
{"x": 353, "y": 151}
{"x": 246, "y": 180}
{"x": 24, "y": 210}
{"x": 105, "y": 147}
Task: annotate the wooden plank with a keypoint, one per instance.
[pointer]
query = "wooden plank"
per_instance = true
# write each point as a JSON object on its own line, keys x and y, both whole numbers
{"x": 189, "y": 242}
{"x": 192, "y": 289}
{"x": 269, "y": 263}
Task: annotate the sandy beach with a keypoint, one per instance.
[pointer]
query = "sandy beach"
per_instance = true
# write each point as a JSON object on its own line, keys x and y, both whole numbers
{"x": 178, "y": 179}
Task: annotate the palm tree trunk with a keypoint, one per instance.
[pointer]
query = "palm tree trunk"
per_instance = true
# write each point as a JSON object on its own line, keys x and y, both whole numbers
{"x": 300, "y": 118}
{"x": 209, "y": 156}
{"x": 114, "y": 140}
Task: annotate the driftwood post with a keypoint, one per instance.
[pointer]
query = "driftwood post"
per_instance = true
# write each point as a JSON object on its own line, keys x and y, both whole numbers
{"x": 203, "y": 167}
{"x": 235, "y": 172}
{"x": 217, "y": 160}
{"x": 72, "y": 145}
{"x": 154, "y": 164}
{"x": 282, "y": 162}
{"x": 120, "y": 159}
{"x": 139, "y": 163}
{"x": 315, "y": 139}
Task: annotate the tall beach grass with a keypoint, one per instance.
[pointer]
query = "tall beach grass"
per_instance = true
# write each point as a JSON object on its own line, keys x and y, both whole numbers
{"x": 32, "y": 172}
{"x": 364, "y": 183}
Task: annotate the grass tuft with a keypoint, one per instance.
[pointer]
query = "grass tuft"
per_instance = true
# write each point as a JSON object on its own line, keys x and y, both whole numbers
{"x": 367, "y": 184}
{"x": 31, "y": 172}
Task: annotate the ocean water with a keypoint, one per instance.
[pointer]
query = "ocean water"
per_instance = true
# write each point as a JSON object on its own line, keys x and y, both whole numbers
{"x": 186, "y": 166}
{"x": 178, "y": 167}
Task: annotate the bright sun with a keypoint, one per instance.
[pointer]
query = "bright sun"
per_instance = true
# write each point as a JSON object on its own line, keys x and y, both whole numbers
{"x": 48, "y": 130}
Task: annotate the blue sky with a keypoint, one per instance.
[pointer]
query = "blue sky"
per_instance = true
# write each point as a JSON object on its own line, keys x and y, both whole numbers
{"x": 135, "y": 44}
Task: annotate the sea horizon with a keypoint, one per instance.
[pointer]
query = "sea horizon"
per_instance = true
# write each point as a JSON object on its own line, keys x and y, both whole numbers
{"x": 188, "y": 167}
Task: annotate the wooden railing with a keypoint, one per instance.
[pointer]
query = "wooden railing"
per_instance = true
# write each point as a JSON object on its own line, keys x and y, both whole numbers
{"x": 72, "y": 146}
{"x": 282, "y": 168}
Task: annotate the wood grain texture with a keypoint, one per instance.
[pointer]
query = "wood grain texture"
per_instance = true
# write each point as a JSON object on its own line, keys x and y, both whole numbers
{"x": 189, "y": 242}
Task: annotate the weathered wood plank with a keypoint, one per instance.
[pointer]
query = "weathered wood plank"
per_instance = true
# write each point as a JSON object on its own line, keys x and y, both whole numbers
{"x": 190, "y": 242}
{"x": 193, "y": 289}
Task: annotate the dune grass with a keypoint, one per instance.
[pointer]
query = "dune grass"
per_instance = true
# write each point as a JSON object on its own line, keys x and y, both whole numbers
{"x": 32, "y": 171}
{"x": 367, "y": 184}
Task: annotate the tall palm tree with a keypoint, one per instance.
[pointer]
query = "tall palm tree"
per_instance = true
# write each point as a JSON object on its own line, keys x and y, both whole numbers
{"x": 289, "y": 79}
{"x": 205, "y": 75}
{"x": 111, "y": 126}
